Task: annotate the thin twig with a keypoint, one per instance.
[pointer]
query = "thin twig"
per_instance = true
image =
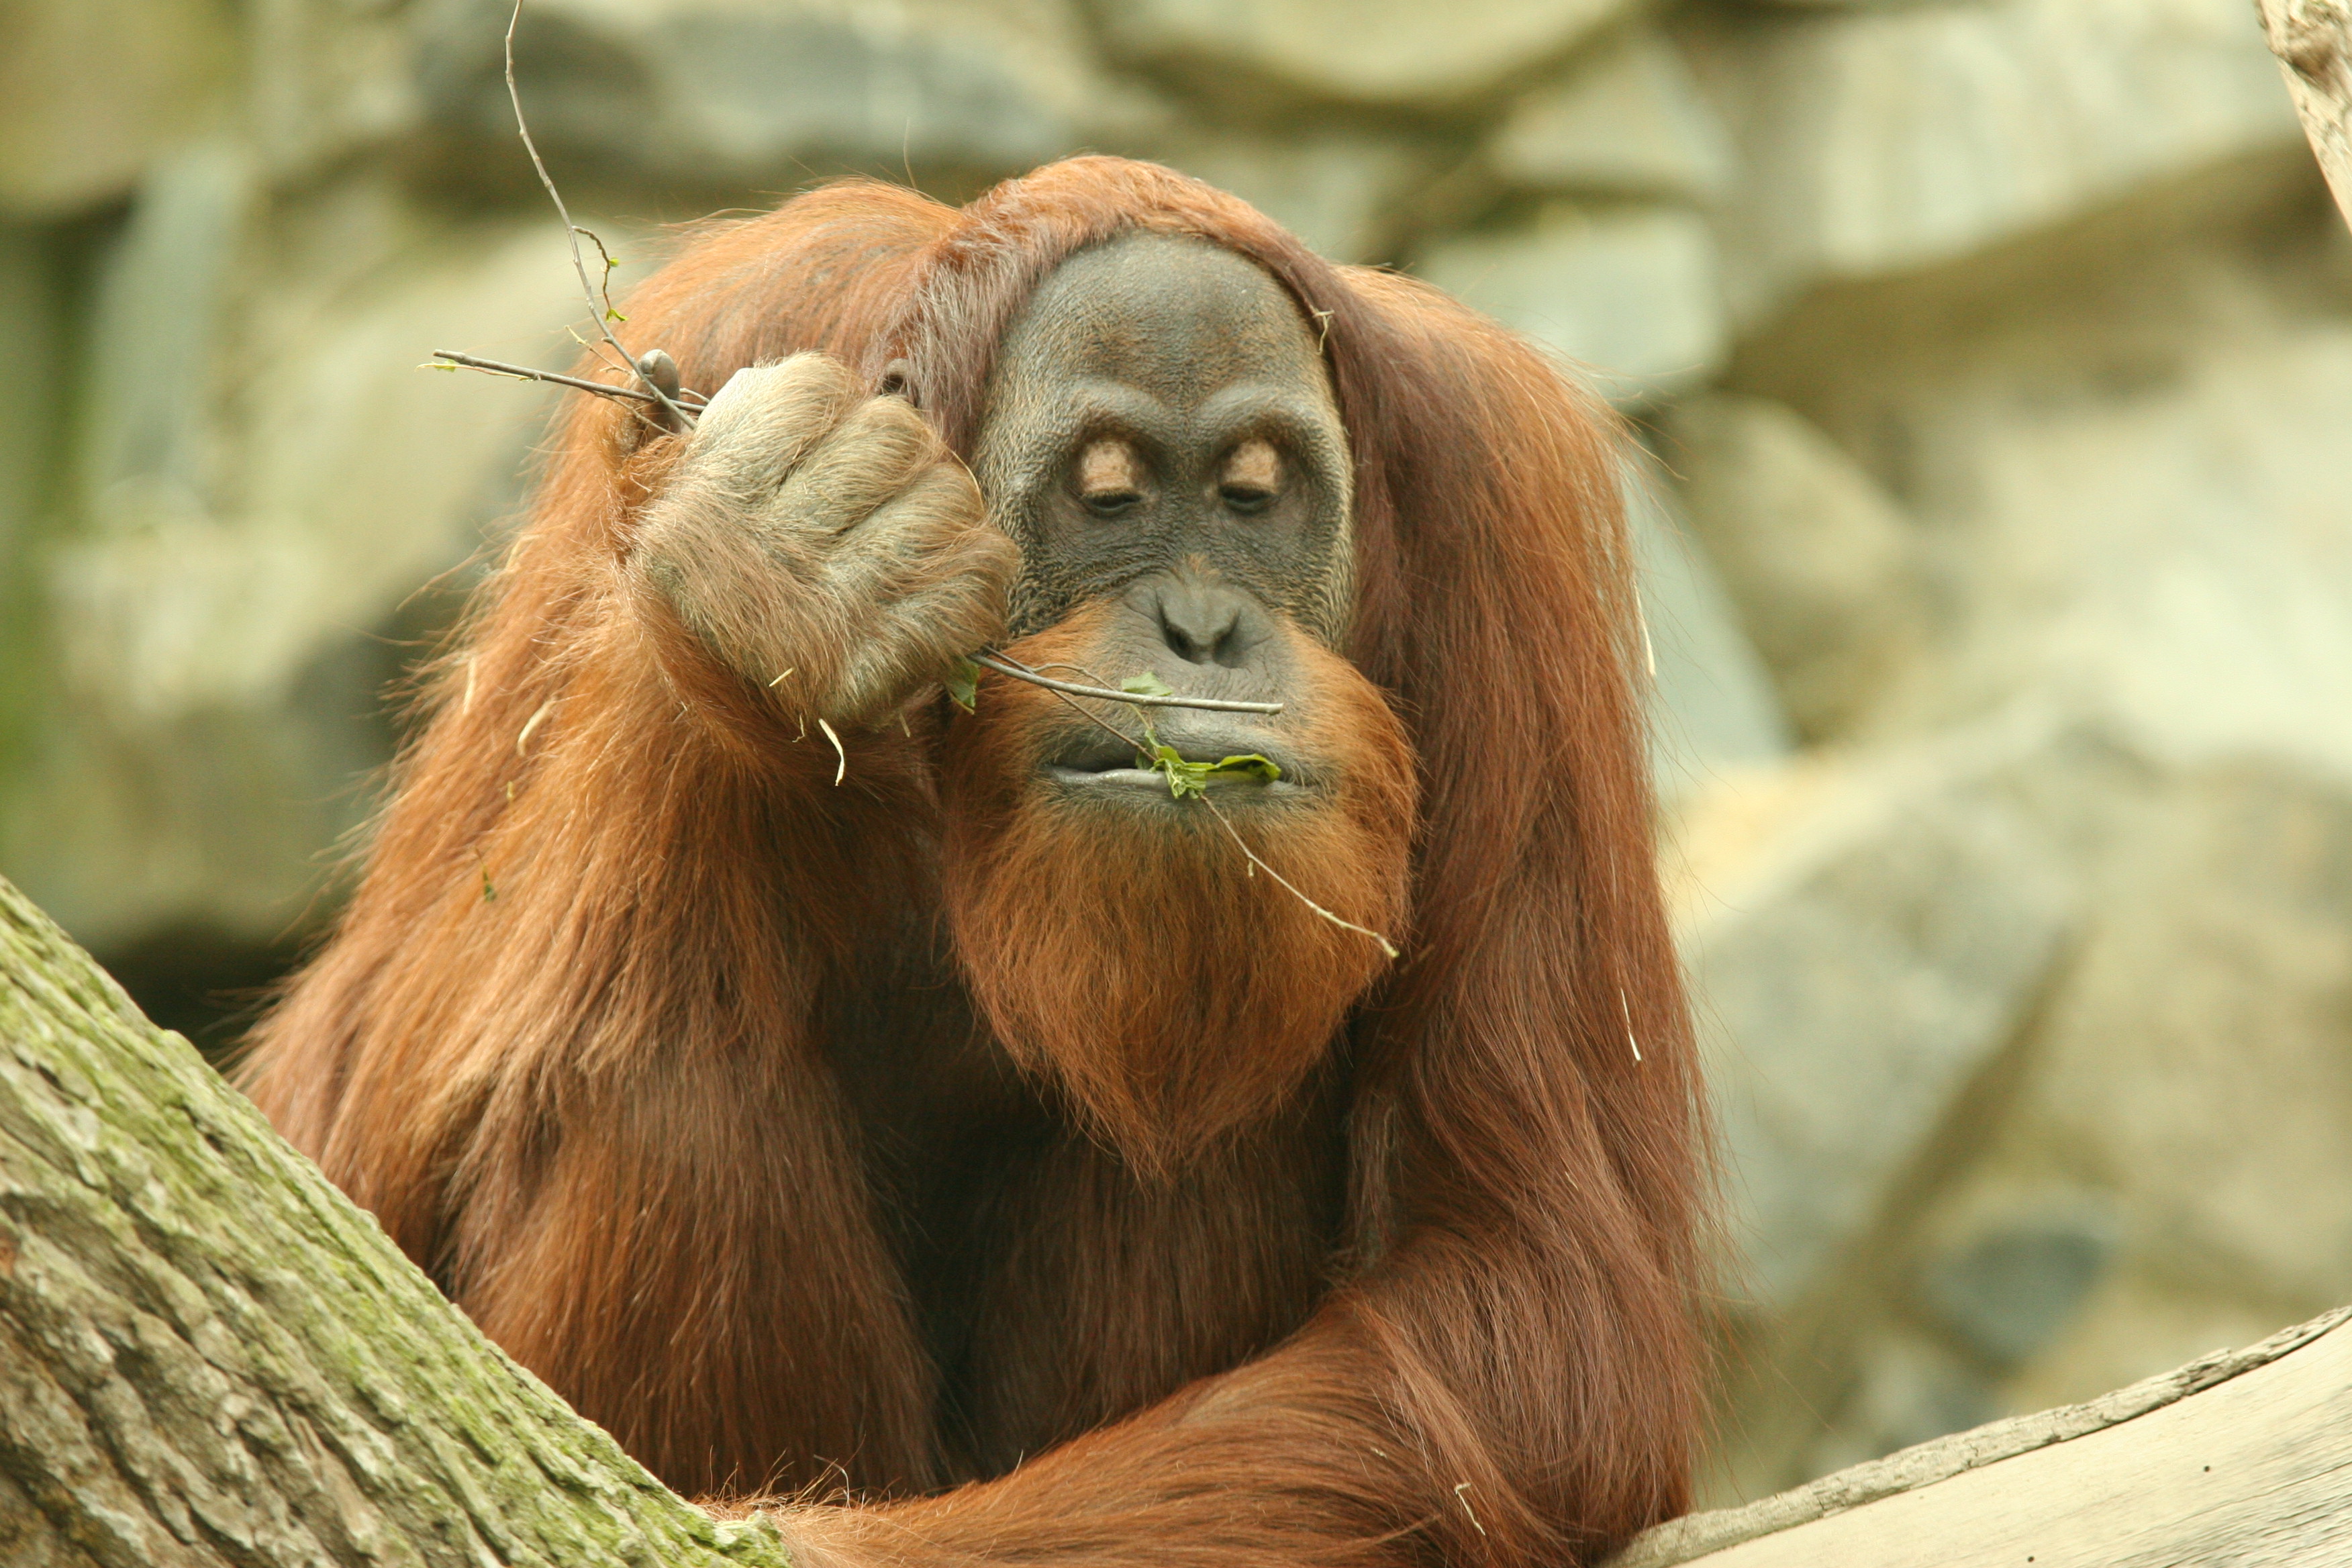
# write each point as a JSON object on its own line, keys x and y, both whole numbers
{"x": 524, "y": 373}
{"x": 1242, "y": 845}
{"x": 1213, "y": 704}
{"x": 1063, "y": 689}
{"x": 1099, "y": 722}
{"x": 680, "y": 418}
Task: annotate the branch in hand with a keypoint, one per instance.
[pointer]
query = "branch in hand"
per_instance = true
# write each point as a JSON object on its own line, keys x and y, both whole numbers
{"x": 690, "y": 400}
{"x": 675, "y": 416}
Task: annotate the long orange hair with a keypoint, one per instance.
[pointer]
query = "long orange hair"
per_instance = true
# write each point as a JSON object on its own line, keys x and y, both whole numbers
{"x": 589, "y": 943}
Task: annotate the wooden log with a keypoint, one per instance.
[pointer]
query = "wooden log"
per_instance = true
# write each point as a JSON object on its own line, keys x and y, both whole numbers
{"x": 2239, "y": 1457}
{"x": 2313, "y": 40}
{"x": 208, "y": 1356}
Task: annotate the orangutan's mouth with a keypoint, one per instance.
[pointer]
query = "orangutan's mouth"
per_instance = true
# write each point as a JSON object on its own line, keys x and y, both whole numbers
{"x": 1102, "y": 764}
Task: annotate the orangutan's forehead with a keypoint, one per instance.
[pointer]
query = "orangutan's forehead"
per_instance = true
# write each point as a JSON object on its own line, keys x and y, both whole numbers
{"x": 1179, "y": 319}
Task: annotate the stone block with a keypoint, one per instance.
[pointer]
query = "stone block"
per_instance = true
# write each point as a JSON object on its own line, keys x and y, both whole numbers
{"x": 1821, "y": 563}
{"x": 1712, "y": 711}
{"x": 2006, "y": 1292}
{"x": 1339, "y": 191}
{"x": 1881, "y": 140}
{"x": 2127, "y": 465}
{"x": 264, "y": 485}
{"x": 1364, "y": 51}
{"x": 716, "y": 92}
{"x": 1627, "y": 118}
{"x": 1906, "y": 1387}
{"x": 1864, "y": 936}
{"x": 324, "y": 81}
{"x": 2197, "y": 1062}
{"x": 93, "y": 90}
{"x": 1629, "y": 292}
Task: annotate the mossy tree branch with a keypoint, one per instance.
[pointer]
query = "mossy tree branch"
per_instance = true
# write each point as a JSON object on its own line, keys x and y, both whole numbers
{"x": 208, "y": 1355}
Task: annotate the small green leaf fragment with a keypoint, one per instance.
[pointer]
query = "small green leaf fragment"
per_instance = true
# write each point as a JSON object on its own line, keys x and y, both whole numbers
{"x": 1187, "y": 779}
{"x": 1146, "y": 685}
{"x": 1263, "y": 769}
{"x": 963, "y": 684}
{"x": 1184, "y": 779}
{"x": 489, "y": 889}
{"x": 613, "y": 315}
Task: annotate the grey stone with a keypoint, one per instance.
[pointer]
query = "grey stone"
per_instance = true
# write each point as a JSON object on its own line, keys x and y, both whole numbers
{"x": 1631, "y": 292}
{"x": 324, "y": 81}
{"x": 91, "y": 90}
{"x": 1712, "y": 708}
{"x": 2126, "y": 461}
{"x": 1628, "y": 119}
{"x": 1822, "y": 564}
{"x": 717, "y": 92}
{"x": 1864, "y": 935}
{"x": 1369, "y": 51}
{"x": 2196, "y": 1064}
{"x": 216, "y": 614}
{"x": 2009, "y": 1291}
{"x": 1335, "y": 190}
{"x": 1907, "y": 1390}
{"x": 1882, "y": 140}
{"x": 164, "y": 303}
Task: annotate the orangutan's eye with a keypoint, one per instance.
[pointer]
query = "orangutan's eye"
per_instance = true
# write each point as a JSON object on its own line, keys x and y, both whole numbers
{"x": 1252, "y": 476}
{"x": 1109, "y": 478}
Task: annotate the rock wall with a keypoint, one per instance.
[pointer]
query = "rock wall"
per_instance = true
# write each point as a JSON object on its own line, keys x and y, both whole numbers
{"x": 1993, "y": 360}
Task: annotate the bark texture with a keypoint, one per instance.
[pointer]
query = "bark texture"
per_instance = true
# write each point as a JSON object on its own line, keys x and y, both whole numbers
{"x": 2313, "y": 39}
{"x": 2239, "y": 1457}
{"x": 207, "y": 1355}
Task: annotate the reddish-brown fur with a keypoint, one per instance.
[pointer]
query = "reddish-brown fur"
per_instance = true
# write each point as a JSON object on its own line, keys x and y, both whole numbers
{"x": 572, "y": 1042}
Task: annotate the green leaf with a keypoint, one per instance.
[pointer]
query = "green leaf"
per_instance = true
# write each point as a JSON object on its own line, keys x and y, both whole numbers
{"x": 613, "y": 315}
{"x": 1146, "y": 685}
{"x": 963, "y": 684}
{"x": 1187, "y": 779}
{"x": 1262, "y": 770}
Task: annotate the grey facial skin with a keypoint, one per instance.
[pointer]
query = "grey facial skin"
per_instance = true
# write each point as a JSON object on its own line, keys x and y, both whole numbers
{"x": 1186, "y": 353}
{"x": 1160, "y": 433}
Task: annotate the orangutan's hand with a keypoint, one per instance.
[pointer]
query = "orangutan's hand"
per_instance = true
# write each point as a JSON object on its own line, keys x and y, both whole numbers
{"x": 825, "y": 544}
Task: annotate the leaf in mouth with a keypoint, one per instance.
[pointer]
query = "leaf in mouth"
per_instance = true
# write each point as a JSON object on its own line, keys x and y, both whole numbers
{"x": 1186, "y": 779}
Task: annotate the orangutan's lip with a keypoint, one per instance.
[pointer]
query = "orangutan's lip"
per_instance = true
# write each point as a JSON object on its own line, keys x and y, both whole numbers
{"x": 1152, "y": 781}
{"x": 1108, "y": 766}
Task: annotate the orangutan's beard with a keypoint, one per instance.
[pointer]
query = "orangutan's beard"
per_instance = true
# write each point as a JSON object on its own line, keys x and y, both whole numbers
{"x": 1133, "y": 959}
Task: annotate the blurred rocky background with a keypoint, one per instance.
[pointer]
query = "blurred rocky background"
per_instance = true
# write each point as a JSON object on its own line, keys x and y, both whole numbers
{"x": 1994, "y": 365}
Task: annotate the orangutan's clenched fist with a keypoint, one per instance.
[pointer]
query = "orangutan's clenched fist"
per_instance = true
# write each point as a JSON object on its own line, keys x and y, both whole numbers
{"x": 825, "y": 544}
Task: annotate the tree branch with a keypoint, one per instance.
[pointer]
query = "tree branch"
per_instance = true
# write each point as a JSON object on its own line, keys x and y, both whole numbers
{"x": 679, "y": 418}
{"x": 208, "y": 1356}
{"x": 525, "y": 372}
{"x": 1003, "y": 666}
{"x": 2313, "y": 39}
